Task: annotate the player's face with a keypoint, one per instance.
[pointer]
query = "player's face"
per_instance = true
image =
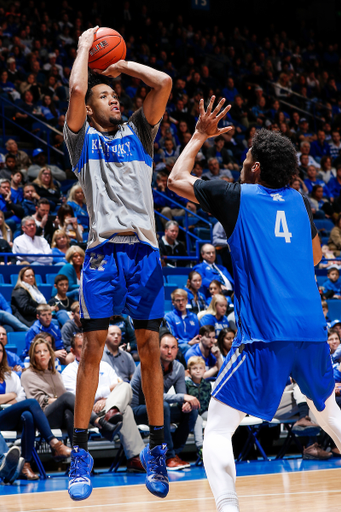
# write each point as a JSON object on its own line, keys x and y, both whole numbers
{"x": 250, "y": 171}
{"x": 104, "y": 107}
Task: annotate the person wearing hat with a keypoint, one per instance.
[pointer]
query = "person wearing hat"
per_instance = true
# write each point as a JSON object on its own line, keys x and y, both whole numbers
{"x": 40, "y": 161}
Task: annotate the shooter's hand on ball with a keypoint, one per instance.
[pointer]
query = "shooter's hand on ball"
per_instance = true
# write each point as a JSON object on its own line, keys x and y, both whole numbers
{"x": 208, "y": 121}
{"x": 87, "y": 38}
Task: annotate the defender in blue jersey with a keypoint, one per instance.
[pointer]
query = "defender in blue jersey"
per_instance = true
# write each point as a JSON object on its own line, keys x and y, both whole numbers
{"x": 122, "y": 271}
{"x": 281, "y": 327}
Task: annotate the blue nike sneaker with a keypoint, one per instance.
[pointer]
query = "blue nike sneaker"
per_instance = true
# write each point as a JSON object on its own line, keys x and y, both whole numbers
{"x": 154, "y": 462}
{"x": 80, "y": 486}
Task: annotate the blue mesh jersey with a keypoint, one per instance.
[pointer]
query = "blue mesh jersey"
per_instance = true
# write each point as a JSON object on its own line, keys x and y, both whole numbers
{"x": 270, "y": 238}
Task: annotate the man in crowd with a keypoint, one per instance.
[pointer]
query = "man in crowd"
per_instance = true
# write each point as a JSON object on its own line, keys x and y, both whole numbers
{"x": 30, "y": 201}
{"x": 39, "y": 161}
{"x": 335, "y": 145}
{"x": 12, "y": 212}
{"x": 183, "y": 324}
{"x": 44, "y": 225}
{"x": 305, "y": 150}
{"x": 30, "y": 243}
{"x": 21, "y": 158}
{"x": 215, "y": 173}
{"x": 112, "y": 398}
{"x": 312, "y": 180}
{"x": 319, "y": 147}
{"x": 208, "y": 350}
{"x": 71, "y": 327}
{"x": 9, "y": 167}
{"x": 170, "y": 246}
{"x": 120, "y": 360}
{"x": 186, "y": 405}
{"x": 209, "y": 270}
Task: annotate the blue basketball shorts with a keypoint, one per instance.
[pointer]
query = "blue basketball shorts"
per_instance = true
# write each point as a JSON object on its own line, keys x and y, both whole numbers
{"x": 253, "y": 376}
{"x": 122, "y": 278}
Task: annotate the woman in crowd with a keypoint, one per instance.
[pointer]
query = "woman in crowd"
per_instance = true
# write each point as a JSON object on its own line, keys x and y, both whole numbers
{"x": 26, "y": 297}
{"x": 215, "y": 314}
{"x": 60, "y": 245}
{"x": 42, "y": 382}
{"x": 48, "y": 110}
{"x": 72, "y": 270}
{"x": 77, "y": 202}
{"x": 225, "y": 340}
{"x": 5, "y": 231}
{"x": 24, "y": 415}
{"x": 68, "y": 222}
{"x": 334, "y": 242}
{"x": 196, "y": 300}
{"x": 333, "y": 340}
{"x": 214, "y": 288}
{"x": 46, "y": 187}
{"x": 327, "y": 170}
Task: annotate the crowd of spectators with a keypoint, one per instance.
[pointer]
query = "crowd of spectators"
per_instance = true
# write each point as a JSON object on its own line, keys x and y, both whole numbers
{"x": 274, "y": 81}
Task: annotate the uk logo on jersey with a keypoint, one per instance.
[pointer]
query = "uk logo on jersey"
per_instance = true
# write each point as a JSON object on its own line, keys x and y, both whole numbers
{"x": 277, "y": 197}
{"x": 97, "y": 261}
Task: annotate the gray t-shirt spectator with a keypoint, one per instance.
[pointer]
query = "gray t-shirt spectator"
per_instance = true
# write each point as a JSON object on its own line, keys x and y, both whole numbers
{"x": 68, "y": 330}
{"x": 122, "y": 363}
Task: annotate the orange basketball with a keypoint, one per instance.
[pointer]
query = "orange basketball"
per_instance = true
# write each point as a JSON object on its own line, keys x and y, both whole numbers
{"x": 108, "y": 47}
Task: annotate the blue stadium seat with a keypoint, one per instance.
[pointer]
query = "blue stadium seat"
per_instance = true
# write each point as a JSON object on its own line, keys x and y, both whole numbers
{"x": 14, "y": 279}
{"x": 203, "y": 233}
{"x": 17, "y": 339}
{"x": 179, "y": 281}
{"x": 321, "y": 279}
{"x": 334, "y": 309}
{"x": 50, "y": 278}
{"x": 324, "y": 240}
{"x": 324, "y": 225}
{"x": 2, "y": 281}
{"x": 46, "y": 290}
{"x": 168, "y": 306}
{"x": 6, "y": 291}
{"x": 169, "y": 288}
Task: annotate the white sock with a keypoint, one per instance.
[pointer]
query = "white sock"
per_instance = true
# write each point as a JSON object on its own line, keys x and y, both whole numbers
{"x": 222, "y": 421}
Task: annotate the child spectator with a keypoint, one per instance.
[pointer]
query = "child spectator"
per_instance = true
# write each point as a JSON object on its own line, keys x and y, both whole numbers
{"x": 215, "y": 314}
{"x": 208, "y": 350}
{"x": 61, "y": 303}
{"x": 44, "y": 323}
{"x": 201, "y": 389}
{"x": 182, "y": 324}
{"x": 196, "y": 300}
{"x": 332, "y": 287}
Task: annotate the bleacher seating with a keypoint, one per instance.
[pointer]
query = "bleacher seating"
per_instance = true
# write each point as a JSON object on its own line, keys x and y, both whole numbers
{"x": 18, "y": 340}
{"x": 334, "y": 309}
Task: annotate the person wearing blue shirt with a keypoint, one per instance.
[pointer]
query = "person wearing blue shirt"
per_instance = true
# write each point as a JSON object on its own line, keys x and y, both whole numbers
{"x": 209, "y": 270}
{"x": 17, "y": 194}
{"x": 181, "y": 323}
{"x": 13, "y": 360}
{"x": 334, "y": 184}
{"x": 196, "y": 300}
{"x": 30, "y": 200}
{"x": 215, "y": 314}
{"x": 77, "y": 202}
{"x": 44, "y": 324}
{"x": 319, "y": 147}
{"x": 229, "y": 92}
{"x": 333, "y": 284}
{"x": 311, "y": 181}
{"x": 208, "y": 350}
{"x": 7, "y": 319}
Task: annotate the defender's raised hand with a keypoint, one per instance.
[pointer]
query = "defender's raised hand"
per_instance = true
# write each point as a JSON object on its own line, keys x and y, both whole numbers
{"x": 208, "y": 121}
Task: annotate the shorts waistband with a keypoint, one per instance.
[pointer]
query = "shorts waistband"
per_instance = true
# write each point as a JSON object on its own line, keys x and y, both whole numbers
{"x": 124, "y": 239}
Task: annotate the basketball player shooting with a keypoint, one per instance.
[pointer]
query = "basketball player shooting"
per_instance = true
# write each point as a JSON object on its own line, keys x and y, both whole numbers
{"x": 281, "y": 327}
{"x": 122, "y": 271}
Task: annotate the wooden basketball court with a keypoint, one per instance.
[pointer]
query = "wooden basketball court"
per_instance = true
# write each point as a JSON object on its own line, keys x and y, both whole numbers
{"x": 303, "y": 491}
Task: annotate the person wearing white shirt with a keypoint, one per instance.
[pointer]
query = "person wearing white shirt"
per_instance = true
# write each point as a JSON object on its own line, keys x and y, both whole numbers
{"x": 305, "y": 148}
{"x": 112, "y": 398}
{"x": 29, "y": 243}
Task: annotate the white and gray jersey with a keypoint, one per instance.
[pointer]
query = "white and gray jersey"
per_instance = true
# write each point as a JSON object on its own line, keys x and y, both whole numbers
{"x": 115, "y": 172}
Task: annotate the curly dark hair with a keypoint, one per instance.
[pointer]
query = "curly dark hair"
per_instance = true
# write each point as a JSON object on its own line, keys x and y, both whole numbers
{"x": 276, "y": 156}
{"x": 95, "y": 79}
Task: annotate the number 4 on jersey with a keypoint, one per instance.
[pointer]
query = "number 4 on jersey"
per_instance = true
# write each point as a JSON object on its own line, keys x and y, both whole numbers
{"x": 281, "y": 227}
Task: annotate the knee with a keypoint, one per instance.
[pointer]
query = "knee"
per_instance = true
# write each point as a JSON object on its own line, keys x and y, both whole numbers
{"x": 127, "y": 390}
{"x": 149, "y": 350}
{"x": 27, "y": 419}
{"x": 32, "y": 404}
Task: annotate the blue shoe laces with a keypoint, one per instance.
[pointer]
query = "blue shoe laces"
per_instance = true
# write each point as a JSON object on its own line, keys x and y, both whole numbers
{"x": 156, "y": 462}
{"x": 77, "y": 469}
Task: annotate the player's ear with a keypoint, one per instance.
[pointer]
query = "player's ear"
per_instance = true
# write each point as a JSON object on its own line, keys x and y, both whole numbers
{"x": 88, "y": 110}
{"x": 255, "y": 167}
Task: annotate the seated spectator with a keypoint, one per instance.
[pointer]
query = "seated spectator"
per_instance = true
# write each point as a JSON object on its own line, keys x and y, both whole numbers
{"x": 182, "y": 324}
{"x": 40, "y": 162}
{"x": 68, "y": 222}
{"x": 5, "y": 230}
{"x": 305, "y": 134}
{"x": 28, "y": 106}
{"x": 327, "y": 171}
{"x": 112, "y": 400}
{"x": 77, "y": 201}
{"x": 196, "y": 300}
{"x": 13, "y": 360}
{"x": 225, "y": 340}
{"x": 333, "y": 341}
{"x": 72, "y": 270}
{"x": 46, "y": 187}
{"x": 201, "y": 389}
{"x": 168, "y": 150}
{"x": 238, "y": 111}
{"x": 170, "y": 246}
{"x": 60, "y": 245}
{"x": 332, "y": 287}
{"x": 60, "y": 303}
{"x": 312, "y": 180}
{"x": 335, "y": 145}
{"x": 184, "y": 411}
{"x": 334, "y": 242}
{"x": 29, "y": 243}
{"x": 116, "y": 355}
{"x": 214, "y": 289}
{"x": 209, "y": 270}
{"x": 44, "y": 324}
{"x": 208, "y": 350}
{"x": 215, "y": 314}
{"x": 8, "y": 320}
{"x": 71, "y": 327}
{"x": 17, "y": 195}
{"x": 42, "y": 382}
{"x": 320, "y": 206}
{"x": 334, "y": 184}
{"x": 26, "y": 297}
{"x": 13, "y": 212}
{"x": 319, "y": 147}
{"x": 44, "y": 223}
{"x": 49, "y": 111}
{"x": 303, "y": 166}
{"x": 25, "y": 416}
{"x": 128, "y": 333}
{"x": 221, "y": 154}
{"x": 31, "y": 199}
{"x": 10, "y": 166}
{"x": 215, "y": 173}
{"x": 305, "y": 150}
{"x": 22, "y": 159}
